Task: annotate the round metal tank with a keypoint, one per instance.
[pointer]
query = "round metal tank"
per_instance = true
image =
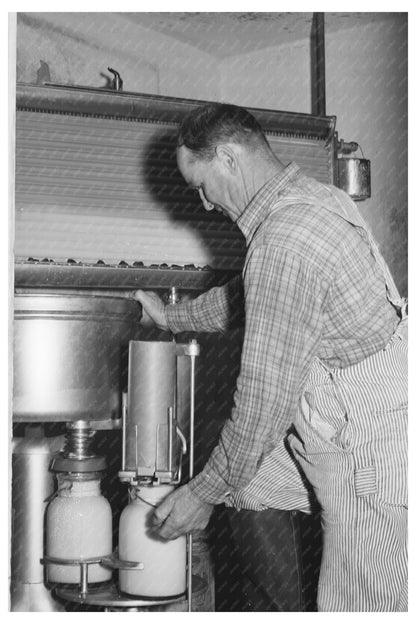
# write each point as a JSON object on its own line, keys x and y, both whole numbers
{"x": 70, "y": 356}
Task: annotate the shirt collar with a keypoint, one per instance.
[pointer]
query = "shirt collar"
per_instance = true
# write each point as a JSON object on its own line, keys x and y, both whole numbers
{"x": 260, "y": 205}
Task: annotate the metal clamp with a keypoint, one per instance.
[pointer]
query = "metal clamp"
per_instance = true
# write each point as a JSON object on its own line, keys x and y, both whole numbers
{"x": 83, "y": 563}
{"x": 191, "y": 349}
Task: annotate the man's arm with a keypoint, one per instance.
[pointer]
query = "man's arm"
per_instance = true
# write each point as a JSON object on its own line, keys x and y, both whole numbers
{"x": 217, "y": 310}
{"x": 284, "y": 316}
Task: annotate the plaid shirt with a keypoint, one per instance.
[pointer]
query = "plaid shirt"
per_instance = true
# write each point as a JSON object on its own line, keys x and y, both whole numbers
{"x": 311, "y": 289}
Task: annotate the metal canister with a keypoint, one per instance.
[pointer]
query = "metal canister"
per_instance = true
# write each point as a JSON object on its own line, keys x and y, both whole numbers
{"x": 354, "y": 177}
{"x": 157, "y": 419}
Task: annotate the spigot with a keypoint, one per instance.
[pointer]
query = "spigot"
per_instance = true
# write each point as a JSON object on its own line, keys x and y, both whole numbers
{"x": 173, "y": 296}
{"x": 117, "y": 82}
{"x": 77, "y": 455}
{"x": 344, "y": 147}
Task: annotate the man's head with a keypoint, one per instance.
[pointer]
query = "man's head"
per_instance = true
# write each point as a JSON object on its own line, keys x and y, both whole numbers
{"x": 222, "y": 152}
{"x": 208, "y": 126}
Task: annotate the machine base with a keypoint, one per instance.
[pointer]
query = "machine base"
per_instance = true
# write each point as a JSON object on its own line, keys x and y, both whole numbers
{"x": 111, "y": 597}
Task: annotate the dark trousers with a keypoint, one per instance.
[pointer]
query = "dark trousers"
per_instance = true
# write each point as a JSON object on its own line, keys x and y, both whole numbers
{"x": 279, "y": 554}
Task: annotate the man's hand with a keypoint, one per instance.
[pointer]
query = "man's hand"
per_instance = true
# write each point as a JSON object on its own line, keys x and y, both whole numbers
{"x": 153, "y": 308}
{"x": 180, "y": 512}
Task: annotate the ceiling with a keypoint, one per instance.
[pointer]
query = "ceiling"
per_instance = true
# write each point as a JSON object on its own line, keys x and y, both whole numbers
{"x": 223, "y": 34}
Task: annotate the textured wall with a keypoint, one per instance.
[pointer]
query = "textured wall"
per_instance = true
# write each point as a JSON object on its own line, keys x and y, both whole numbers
{"x": 366, "y": 89}
{"x": 79, "y": 47}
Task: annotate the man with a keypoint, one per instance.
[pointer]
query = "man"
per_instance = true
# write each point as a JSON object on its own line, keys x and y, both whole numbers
{"x": 324, "y": 349}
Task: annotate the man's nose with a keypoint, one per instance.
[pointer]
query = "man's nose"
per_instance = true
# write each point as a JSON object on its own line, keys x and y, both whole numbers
{"x": 207, "y": 205}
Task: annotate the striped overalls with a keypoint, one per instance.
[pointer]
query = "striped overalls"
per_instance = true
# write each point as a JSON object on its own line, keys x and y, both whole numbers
{"x": 352, "y": 445}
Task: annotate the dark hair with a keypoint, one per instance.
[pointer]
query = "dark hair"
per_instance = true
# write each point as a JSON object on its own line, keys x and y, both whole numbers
{"x": 206, "y": 126}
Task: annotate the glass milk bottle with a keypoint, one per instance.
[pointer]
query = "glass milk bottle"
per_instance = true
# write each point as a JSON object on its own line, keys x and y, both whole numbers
{"x": 164, "y": 572}
{"x": 78, "y": 526}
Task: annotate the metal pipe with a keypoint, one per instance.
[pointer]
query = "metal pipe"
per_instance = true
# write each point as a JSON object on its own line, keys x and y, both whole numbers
{"x": 193, "y": 353}
{"x": 84, "y": 579}
{"x": 189, "y": 584}
{"x": 170, "y": 439}
{"x": 117, "y": 82}
{"x": 318, "y": 65}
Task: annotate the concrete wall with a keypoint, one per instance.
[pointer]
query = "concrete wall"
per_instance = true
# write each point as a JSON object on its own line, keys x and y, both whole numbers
{"x": 366, "y": 88}
{"x": 79, "y": 47}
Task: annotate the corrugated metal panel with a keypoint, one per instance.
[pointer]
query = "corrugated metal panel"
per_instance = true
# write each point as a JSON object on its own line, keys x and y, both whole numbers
{"x": 93, "y": 188}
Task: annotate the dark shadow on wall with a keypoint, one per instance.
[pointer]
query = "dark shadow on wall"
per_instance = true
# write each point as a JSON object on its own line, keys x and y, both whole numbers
{"x": 219, "y": 237}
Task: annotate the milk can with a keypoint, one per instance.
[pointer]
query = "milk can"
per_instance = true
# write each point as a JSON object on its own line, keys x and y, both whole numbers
{"x": 79, "y": 527}
{"x": 164, "y": 561}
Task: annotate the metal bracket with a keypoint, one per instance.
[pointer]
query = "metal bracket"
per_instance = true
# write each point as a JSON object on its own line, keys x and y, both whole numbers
{"x": 190, "y": 349}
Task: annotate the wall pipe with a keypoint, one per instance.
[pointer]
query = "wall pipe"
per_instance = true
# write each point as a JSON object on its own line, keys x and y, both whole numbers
{"x": 318, "y": 65}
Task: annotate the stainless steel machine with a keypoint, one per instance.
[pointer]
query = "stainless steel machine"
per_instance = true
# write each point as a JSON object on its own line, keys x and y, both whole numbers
{"x": 78, "y": 361}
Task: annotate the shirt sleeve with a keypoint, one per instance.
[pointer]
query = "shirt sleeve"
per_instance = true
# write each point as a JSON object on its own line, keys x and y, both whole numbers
{"x": 217, "y": 310}
{"x": 284, "y": 301}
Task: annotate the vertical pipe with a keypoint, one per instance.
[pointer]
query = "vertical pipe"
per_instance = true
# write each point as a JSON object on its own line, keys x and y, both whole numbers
{"x": 173, "y": 299}
{"x": 32, "y": 485}
{"x": 318, "y": 65}
{"x": 84, "y": 579}
{"x": 191, "y": 470}
{"x": 192, "y": 419}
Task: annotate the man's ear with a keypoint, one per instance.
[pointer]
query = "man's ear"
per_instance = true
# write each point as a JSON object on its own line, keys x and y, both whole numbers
{"x": 227, "y": 157}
